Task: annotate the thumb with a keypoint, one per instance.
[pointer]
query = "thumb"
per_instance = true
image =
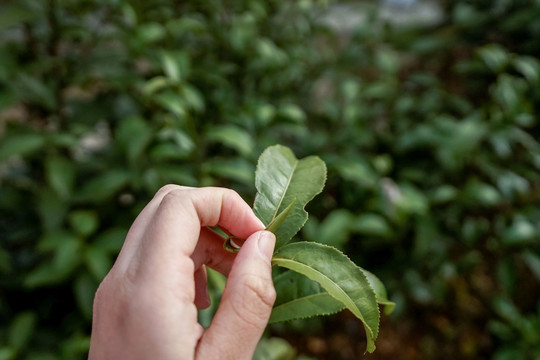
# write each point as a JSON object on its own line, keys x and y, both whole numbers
{"x": 246, "y": 303}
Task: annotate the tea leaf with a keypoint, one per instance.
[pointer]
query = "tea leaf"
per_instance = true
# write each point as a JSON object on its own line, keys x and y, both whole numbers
{"x": 21, "y": 329}
{"x": 299, "y": 297}
{"x": 278, "y": 220}
{"x": 338, "y": 275}
{"x": 305, "y": 307}
{"x": 281, "y": 177}
{"x": 20, "y": 145}
{"x": 60, "y": 173}
{"x": 380, "y": 292}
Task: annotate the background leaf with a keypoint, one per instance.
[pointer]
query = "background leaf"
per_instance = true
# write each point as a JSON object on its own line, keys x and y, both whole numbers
{"x": 232, "y": 136}
{"x": 21, "y": 145}
{"x": 60, "y": 175}
{"x": 21, "y": 329}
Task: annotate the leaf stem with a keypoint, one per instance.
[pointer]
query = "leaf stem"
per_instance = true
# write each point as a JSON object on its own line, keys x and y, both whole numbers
{"x": 230, "y": 245}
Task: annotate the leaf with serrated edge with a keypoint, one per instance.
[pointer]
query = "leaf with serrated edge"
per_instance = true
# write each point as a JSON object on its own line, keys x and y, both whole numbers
{"x": 280, "y": 177}
{"x": 317, "y": 302}
{"x": 339, "y": 276}
{"x": 380, "y": 292}
{"x": 278, "y": 220}
{"x": 299, "y": 297}
{"x": 305, "y": 307}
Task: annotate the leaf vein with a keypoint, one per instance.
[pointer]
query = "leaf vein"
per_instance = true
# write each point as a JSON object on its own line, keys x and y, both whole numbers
{"x": 339, "y": 289}
{"x": 285, "y": 192}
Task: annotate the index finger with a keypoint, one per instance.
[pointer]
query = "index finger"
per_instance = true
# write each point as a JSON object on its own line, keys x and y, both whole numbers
{"x": 174, "y": 230}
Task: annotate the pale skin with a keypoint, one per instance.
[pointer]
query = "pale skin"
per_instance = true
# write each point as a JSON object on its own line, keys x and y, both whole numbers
{"x": 146, "y": 307}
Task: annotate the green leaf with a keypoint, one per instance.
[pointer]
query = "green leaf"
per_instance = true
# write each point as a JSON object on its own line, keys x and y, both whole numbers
{"x": 299, "y": 297}
{"x": 84, "y": 222}
{"x": 281, "y": 177}
{"x": 51, "y": 208}
{"x": 149, "y": 33}
{"x": 34, "y": 89}
{"x": 175, "y": 65}
{"x": 443, "y": 194}
{"x": 67, "y": 257}
{"x": 54, "y": 240}
{"x": 76, "y": 346}
{"x": 533, "y": 261}
{"x": 21, "y": 329}
{"x": 16, "y": 14}
{"x": 172, "y": 102}
{"x": 193, "y": 98}
{"x": 176, "y": 174}
{"x": 278, "y": 220}
{"x": 291, "y": 285}
{"x": 371, "y": 225}
{"x": 357, "y": 171}
{"x": 85, "y": 288}
{"x": 412, "y": 201}
{"x": 168, "y": 152}
{"x": 133, "y": 136}
{"x": 505, "y": 308}
{"x": 520, "y": 232}
{"x": 380, "y": 292}
{"x": 170, "y": 66}
{"x": 264, "y": 113}
{"x": 529, "y": 67}
{"x": 60, "y": 174}
{"x": 155, "y": 84}
{"x": 7, "y": 353}
{"x": 97, "y": 261}
{"x": 104, "y": 186}
{"x": 292, "y": 113}
{"x": 334, "y": 229}
{"x": 305, "y": 307}
{"x": 339, "y": 276}
{"x": 236, "y": 169}
{"x": 111, "y": 240}
{"x": 233, "y": 137}
{"x": 477, "y": 193}
{"x": 274, "y": 349}
{"x": 20, "y": 145}
{"x": 184, "y": 144}
{"x": 494, "y": 56}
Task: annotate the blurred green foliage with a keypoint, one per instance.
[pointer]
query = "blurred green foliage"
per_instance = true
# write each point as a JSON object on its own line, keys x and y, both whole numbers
{"x": 430, "y": 135}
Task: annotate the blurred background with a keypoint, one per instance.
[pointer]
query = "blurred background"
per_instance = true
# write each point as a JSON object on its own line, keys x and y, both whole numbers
{"x": 426, "y": 113}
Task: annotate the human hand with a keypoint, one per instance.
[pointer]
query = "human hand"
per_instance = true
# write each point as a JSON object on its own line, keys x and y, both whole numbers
{"x": 146, "y": 307}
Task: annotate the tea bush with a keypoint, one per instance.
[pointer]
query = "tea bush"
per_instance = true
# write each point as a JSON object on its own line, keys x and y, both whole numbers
{"x": 430, "y": 135}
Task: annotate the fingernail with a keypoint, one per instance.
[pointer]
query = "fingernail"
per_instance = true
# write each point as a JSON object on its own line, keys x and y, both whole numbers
{"x": 267, "y": 242}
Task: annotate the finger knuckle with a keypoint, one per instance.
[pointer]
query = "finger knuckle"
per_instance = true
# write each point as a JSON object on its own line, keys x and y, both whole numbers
{"x": 232, "y": 194}
{"x": 177, "y": 198}
{"x": 255, "y": 300}
{"x": 109, "y": 300}
{"x": 166, "y": 189}
{"x": 222, "y": 191}
{"x": 262, "y": 291}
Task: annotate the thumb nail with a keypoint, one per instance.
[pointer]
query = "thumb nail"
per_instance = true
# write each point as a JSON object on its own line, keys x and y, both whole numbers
{"x": 266, "y": 243}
